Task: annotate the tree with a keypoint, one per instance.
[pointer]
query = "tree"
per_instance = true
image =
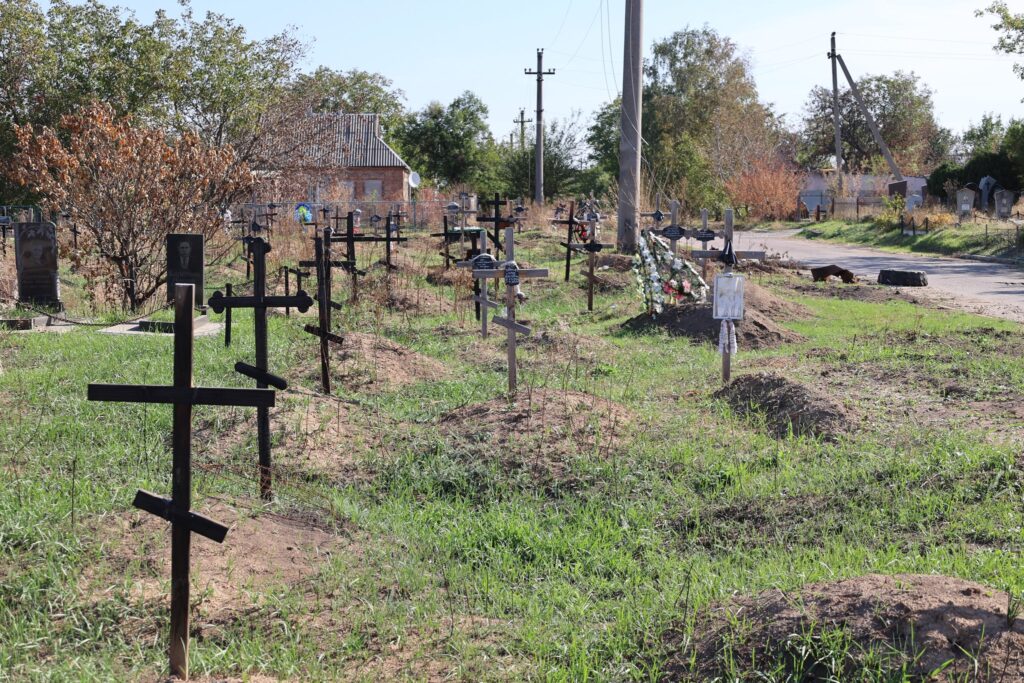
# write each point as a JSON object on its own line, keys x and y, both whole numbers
{"x": 603, "y": 138}
{"x": 565, "y": 154}
{"x": 1010, "y": 27}
{"x": 126, "y": 185}
{"x": 451, "y": 143}
{"x": 986, "y": 136}
{"x": 901, "y": 106}
{"x": 353, "y": 92}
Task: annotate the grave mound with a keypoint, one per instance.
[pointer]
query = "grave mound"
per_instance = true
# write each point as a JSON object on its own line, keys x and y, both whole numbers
{"x": 541, "y": 430}
{"x": 261, "y": 554}
{"x": 757, "y": 330}
{"x": 786, "y": 406}
{"x": 940, "y": 628}
{"x": 620, "y": 263}
{"x": 369, "y": 362}
{"x": 870, "y": 293}
{"x": 439, "y": 277}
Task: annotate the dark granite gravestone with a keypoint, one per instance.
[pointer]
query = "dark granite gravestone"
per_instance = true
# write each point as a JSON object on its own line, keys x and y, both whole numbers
{"x": 1004, "y": 203}
{"x": 185, "y": 261}
{"x": 35, "y": 246}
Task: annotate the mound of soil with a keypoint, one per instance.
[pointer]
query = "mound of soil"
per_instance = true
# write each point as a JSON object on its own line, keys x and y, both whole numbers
{"x": 541, "y": 431}
{"x": 366, "y": 362}
{"x": 762, "y": 301}
{"x": 929, "y": 624}
{"x": 322, "y": 438}
{"x": 260, "y": 554}
{"x": 453, "y": 277}
{"x": 610, "y": 281}
{"x": 786, "y": 405}
{"x": 620, "y": 263}
{"x": 852, "y": 292}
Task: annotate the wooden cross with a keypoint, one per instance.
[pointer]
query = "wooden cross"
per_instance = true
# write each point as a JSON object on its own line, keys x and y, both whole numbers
{"x": 570, "y": 233}
{"x": 704, "y": 235}
{"x": 321, "y": 246}
{"x": 5, "y": 225}
{"x": 657, "y": 214}
{"x": 673, "y": 232}
{"x": 299, "y": 274}
{"x": 512, "y": 274}
{"x": 592, "y": 247}
{"x": 497, "y": 219}
{"x": 481, "y": 261}
{"x": 260, "y": 302}
{"x": 323, "y": 257}
{"x": 177, "y": 509}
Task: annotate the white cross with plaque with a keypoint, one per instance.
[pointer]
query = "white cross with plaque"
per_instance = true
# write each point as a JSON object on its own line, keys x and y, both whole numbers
{"x": 482, "y": 261}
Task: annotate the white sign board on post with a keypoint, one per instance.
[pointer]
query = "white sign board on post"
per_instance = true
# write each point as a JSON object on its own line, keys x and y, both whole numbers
{"x": 728, "y": 297}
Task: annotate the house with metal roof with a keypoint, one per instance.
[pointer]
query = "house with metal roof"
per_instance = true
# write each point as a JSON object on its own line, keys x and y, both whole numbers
{"x": 335, "y": 157}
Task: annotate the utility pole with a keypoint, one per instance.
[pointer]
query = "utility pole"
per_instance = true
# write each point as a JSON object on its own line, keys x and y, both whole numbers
{"x": 522, "y": 121}
{"x": 629, "y": 123}
{"x": 871, "y": 121}
{"x": 540, "y": 73}
{"x": 835, "y": 115}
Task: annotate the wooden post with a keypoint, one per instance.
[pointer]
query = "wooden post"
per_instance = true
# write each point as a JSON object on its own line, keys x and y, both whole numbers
{"x": 183, "y": 395}
{"x": 287, "y": 309}
{"x": 570, "y": 232}
{"x": 323, "y": 264}
{"x": 447, "y": 252}
{"x": 227, "y": 318}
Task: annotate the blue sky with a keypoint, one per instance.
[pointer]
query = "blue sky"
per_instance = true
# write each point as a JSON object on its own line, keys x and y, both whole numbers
{"x": 434, "y": 51}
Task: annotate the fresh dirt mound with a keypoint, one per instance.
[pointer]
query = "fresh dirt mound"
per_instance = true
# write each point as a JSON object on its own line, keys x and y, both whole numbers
{"x": 366, "y": 361}
{"x": 321, "y": 438}
{"x": 786, "y": 406}
{"x": 453, "y": 277}
{"x": 940, "y": 628}
{"x": 260, "y": 554}
{"x": 620, "y": 263}
{"x": 541, "y": 431}
{"x": 401, "y": 295}
{"x": 757, "y": 330}
{"x": 610, "y": 281}
{"x": 853, "y": 292}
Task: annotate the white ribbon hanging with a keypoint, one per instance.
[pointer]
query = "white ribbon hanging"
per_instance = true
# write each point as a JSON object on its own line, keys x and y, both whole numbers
{"x": 727, "y": 338}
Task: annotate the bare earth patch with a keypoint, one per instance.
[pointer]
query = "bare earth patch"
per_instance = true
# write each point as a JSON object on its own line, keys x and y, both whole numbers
{"x": 542, "y": 430}
{"x": 923, "y": 622}
{"x": 260, "y": 555}
{"x": 786, "y": 406}
{"x": 619, "y": 263}
{"x": 367, "y": 362}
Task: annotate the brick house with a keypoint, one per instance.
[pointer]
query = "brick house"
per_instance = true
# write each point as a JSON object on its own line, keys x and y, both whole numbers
{"x": 334, "y": 157}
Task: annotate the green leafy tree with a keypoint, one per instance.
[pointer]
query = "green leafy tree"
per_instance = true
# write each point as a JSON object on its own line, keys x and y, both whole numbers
{"x": 903, "y": 109}
{"x": 451, "y": 144}
{"x": 354, "y": 92}
{"x": 985, "y": 136}
{"x": 1010, "y": 26}
{"x": 565, "y": 156}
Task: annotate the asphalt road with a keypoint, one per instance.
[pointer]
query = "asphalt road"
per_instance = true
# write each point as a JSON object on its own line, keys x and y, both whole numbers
{"x": 986, "y": 288}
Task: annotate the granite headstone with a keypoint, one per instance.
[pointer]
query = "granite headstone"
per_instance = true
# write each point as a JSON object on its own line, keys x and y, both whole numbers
{"x": 185, "y": 262}
{"x": 35, "y": 248}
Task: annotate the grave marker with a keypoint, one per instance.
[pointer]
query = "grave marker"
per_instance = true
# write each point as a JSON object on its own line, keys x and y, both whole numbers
{"x": 35, "y": 255}
{"x": 183, "y": 395}
{"x": 497, "y": 219}
{"x": 571, "y": 233}
{"x": 1004, "y": 203}
{"x": 260, "y": 302}
{"x": 186, "y": 258}
{"x": 321, "y": 246}
{"x": 512, "y": 274}
{"x": 965, "y": 203}
{"x": 483, "y": 260}
{"x": 727, "y": 305}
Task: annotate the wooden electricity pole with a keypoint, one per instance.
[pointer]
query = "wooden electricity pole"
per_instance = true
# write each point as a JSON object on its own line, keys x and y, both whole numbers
{"x": 522, "y": 121}
{"x": 629, "y": 123}
{"x": 540, "y": 73}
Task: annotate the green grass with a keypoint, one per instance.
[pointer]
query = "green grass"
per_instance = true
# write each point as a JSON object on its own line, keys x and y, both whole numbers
{"x": 970, "y": 238}
{"x": 471, "y": 568}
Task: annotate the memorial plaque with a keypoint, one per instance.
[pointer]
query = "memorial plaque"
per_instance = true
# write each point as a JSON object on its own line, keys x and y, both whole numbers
{"x": 898, "y": 188}
{"x": 511, "y": 274}
{"x": 728, "y": 301}
{"x": 35, "y": 248}
{"x": 484, "y": 262}
{"x": 1004, "y": 203}
{"x": 673, "y": 232}
{"x": 185, "y": 261}
{"x": 704, "y": 235}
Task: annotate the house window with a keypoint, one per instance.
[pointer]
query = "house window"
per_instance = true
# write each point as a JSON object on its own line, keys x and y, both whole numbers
{"x": 373, "y": 190}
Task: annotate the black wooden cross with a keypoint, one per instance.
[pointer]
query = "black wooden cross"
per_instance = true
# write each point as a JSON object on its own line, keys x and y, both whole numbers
{"x": 658, "y": 215}
{"x": 260, "y": 302}
{"x": 323, "y": 264}
{"x": 497, "y": 219}
{"x": 288, "y": 272}
{"x": 177, "y": 509}
{"x": 5, "y": 225}
{"x": 571, "y": 224}
{"x": 592, "y": 247}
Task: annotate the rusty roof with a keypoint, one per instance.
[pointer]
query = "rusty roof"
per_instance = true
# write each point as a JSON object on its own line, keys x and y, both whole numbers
{"x": 338, "y": 140}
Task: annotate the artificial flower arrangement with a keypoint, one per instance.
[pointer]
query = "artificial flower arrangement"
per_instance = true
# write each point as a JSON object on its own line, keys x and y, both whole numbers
{"x": 663, "y": 278}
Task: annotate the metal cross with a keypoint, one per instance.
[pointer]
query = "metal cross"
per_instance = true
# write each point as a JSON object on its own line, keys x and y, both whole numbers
{"x": 177, "y": 509}
{"x": 260, "y": 302}
{"x": 570, "y": 233}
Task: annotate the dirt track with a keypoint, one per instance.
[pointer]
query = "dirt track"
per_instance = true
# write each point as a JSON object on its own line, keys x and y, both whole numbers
{"x": 987, "y": 288}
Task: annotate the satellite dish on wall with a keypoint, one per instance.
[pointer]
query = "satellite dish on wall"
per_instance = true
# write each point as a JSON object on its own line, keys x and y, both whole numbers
{"x": 414, "y": 179}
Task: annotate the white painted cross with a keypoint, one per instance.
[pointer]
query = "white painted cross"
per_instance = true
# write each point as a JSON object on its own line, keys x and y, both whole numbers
{"x": 513, "y": 275}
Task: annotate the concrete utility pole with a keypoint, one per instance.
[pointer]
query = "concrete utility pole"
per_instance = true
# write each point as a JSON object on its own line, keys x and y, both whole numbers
{"x": 893, "y": 168}
{"x": 540, "y": 73}
{"x": 629, "y": 123}
{"x": 835, "y": 115}
{"x": 522, "y": 121}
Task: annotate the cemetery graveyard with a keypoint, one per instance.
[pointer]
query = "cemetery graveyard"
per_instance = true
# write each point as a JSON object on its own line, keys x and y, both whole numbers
{"x": 420, "y": 520}
{"x": 678, "y": 385}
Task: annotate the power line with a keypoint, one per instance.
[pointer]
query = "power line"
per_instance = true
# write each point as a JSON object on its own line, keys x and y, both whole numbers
{"x": 604, "y": 66}
{"x": 562, "y": 25}
{"x": 585, "y": 36}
